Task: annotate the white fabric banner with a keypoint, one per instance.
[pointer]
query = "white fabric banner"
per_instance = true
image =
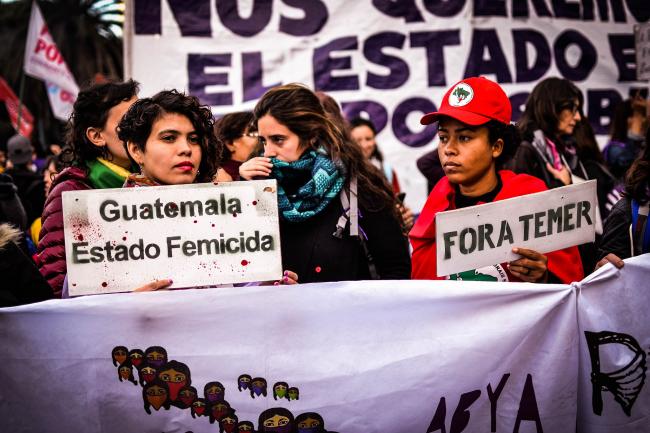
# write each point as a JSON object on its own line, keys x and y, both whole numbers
{"x": 44, "y": 61}
{"x": 388, "y": 60}
{"x": 381, "y": 356}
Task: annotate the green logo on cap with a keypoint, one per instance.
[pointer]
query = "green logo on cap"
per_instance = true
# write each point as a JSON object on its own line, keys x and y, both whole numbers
{"x": 461, "y": 95}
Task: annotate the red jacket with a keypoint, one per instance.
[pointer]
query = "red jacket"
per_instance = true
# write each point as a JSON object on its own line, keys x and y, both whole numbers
{"x": 564, "y": 264}
{"x": 51, "y": 246}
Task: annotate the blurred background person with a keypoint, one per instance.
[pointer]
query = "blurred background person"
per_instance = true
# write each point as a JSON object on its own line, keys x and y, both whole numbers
{"x": 236, "y": 132}
{"x": 31, "y": 188}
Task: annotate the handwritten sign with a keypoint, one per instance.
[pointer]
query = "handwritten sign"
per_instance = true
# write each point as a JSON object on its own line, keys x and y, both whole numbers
{"x": 198, "y": 235}
{"x": 642, "y": 45}
{"x": 484, "y": 235}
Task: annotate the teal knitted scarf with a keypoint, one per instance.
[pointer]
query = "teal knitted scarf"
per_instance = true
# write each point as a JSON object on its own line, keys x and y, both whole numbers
{"x": 312, "y": 197}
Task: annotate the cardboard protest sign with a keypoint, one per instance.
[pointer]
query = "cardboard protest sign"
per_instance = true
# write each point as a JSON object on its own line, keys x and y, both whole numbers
{"x": 484, "y": 235}
{"x": 198, "y": 235}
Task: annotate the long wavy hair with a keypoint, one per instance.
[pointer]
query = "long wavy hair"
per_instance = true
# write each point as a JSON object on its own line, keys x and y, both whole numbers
{"x": 299, "y": 109}
{"x": 91, "y": 110}
{"x": 543, "y": 107}
{"x": 136, "y": 125}
{"x": 637, "y": 179}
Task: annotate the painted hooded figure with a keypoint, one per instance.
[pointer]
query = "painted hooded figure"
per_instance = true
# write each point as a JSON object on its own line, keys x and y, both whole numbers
{"x": 310, "y": 422}
{"x": 228, "y": 423}
{"x": 258, "y": 387}
{"x": 137, "y": 358}
{"x": 176, "y": 375}
{"x": 146, "y": 373}
{"x": 293, "y": 393}
{"x": 156, "y": 356}
{"x": 276, "y": 420}
{"x": 214, "y": 391}
{"x": 280, "y": 390}
{"x": 199, "y": 408}
{"x": 219, "y": 410}
{"x": 245, "y": 427}
{"x": 119, "y": 355}
{"x": 186, "y": 396}
{"x": 244, "y": 382}
{"x": 156, "y": 395}
{"x": 125, "y": 372}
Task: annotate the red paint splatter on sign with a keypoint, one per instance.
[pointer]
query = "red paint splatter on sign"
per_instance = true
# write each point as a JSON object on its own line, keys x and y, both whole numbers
{"x": 254, "y": 202}
{"x": 244, "y": 262}
{"x": 195, "y": 221}
{"x": 104, "y": 284}
{"x": 234, "y": 214}
{"x": 123, "y": 238}
{"x": 80, "y": 237}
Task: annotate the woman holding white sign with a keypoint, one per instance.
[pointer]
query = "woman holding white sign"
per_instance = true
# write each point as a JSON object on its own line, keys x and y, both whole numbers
{"x": 475, "y": 138}
{"x": 338, "y": 216}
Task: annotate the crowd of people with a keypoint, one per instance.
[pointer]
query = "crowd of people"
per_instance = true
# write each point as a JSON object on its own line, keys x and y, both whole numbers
{"x": 341, "y": 210}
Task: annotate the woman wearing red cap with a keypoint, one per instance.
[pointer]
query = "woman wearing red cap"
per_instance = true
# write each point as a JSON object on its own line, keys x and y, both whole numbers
{"x": 475, "y": 139}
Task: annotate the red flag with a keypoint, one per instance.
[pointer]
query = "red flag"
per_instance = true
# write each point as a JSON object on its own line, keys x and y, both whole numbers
{"x": 11, "y": 102}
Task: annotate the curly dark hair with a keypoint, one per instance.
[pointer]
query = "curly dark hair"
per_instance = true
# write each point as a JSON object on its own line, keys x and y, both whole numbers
{"x": 136, "y": 125}
{"x": 230, "y": 127}
{"x": 300, "y": 110}
{"x": 91, "y": 110}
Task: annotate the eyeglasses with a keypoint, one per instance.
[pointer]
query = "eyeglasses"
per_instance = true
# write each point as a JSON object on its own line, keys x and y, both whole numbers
{"x": 573, "y": 107}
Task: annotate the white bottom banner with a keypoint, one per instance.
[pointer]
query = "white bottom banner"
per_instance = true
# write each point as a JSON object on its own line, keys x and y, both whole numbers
{"x": 384, "y": 356}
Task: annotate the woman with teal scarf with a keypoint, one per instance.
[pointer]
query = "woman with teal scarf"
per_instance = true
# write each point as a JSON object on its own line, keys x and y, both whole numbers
{"x": 337, "y": 214}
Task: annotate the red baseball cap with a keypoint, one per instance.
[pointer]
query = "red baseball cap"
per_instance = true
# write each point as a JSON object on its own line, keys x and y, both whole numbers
{"x": 473, "y": 101}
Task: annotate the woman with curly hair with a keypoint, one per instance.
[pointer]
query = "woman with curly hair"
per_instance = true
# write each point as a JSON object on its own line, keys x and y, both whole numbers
{"x": 95, "y": 158}
{"x": 338, "y": 216}
{"x": 169, "y": 136}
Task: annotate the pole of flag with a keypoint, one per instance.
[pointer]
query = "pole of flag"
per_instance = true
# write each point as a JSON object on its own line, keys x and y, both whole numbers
{"x": 21, "y": 91}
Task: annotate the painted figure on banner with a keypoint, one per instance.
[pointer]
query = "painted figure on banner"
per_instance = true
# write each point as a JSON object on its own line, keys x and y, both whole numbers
{"x": 280, "y": 390}
{"x": 156, "y": 395}
{"x": 218, "y": 410}
{"x": 476, "y": 139}
{"x": 199, "y": 408}
{"x": 245, "y": 427}
{"x": 244, "y": 382}
{"x": 176, "y": 375}
{"x": 228, "y": 423}
{"x": 137, "y": 357}
{"x": 276, "y": 420}
{"x": 258, "y": 387}
{"x": 186, "y": 396}
{"x": 310, "y": 422}
{"x": 119, "y": 354}
{"x": 214, "y": 391}
{"x": 125, "y": 372}
{"x": 293, "y": 393}
{"x": 147, "y": 373}
{"x": 156, "y": 356}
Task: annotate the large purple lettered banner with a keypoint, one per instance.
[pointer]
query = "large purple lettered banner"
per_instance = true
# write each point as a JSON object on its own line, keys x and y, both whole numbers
{"x": 387, "y": 60}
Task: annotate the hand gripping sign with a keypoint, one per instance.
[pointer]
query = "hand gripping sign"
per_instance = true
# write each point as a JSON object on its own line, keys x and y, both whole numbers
{"x": 483, "y": 235}
{"x": 198, "y": 235}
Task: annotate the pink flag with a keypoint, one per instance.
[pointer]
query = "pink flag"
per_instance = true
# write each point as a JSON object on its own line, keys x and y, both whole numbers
{"x": 44, "y": 61}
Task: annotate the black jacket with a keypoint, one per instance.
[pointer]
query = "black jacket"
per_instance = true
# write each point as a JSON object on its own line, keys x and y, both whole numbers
{"x": 310, "y": 249}
{"x": 616, "y": 231}
{"x": 21, "y": 282}
{"x": 31, "y": 190}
